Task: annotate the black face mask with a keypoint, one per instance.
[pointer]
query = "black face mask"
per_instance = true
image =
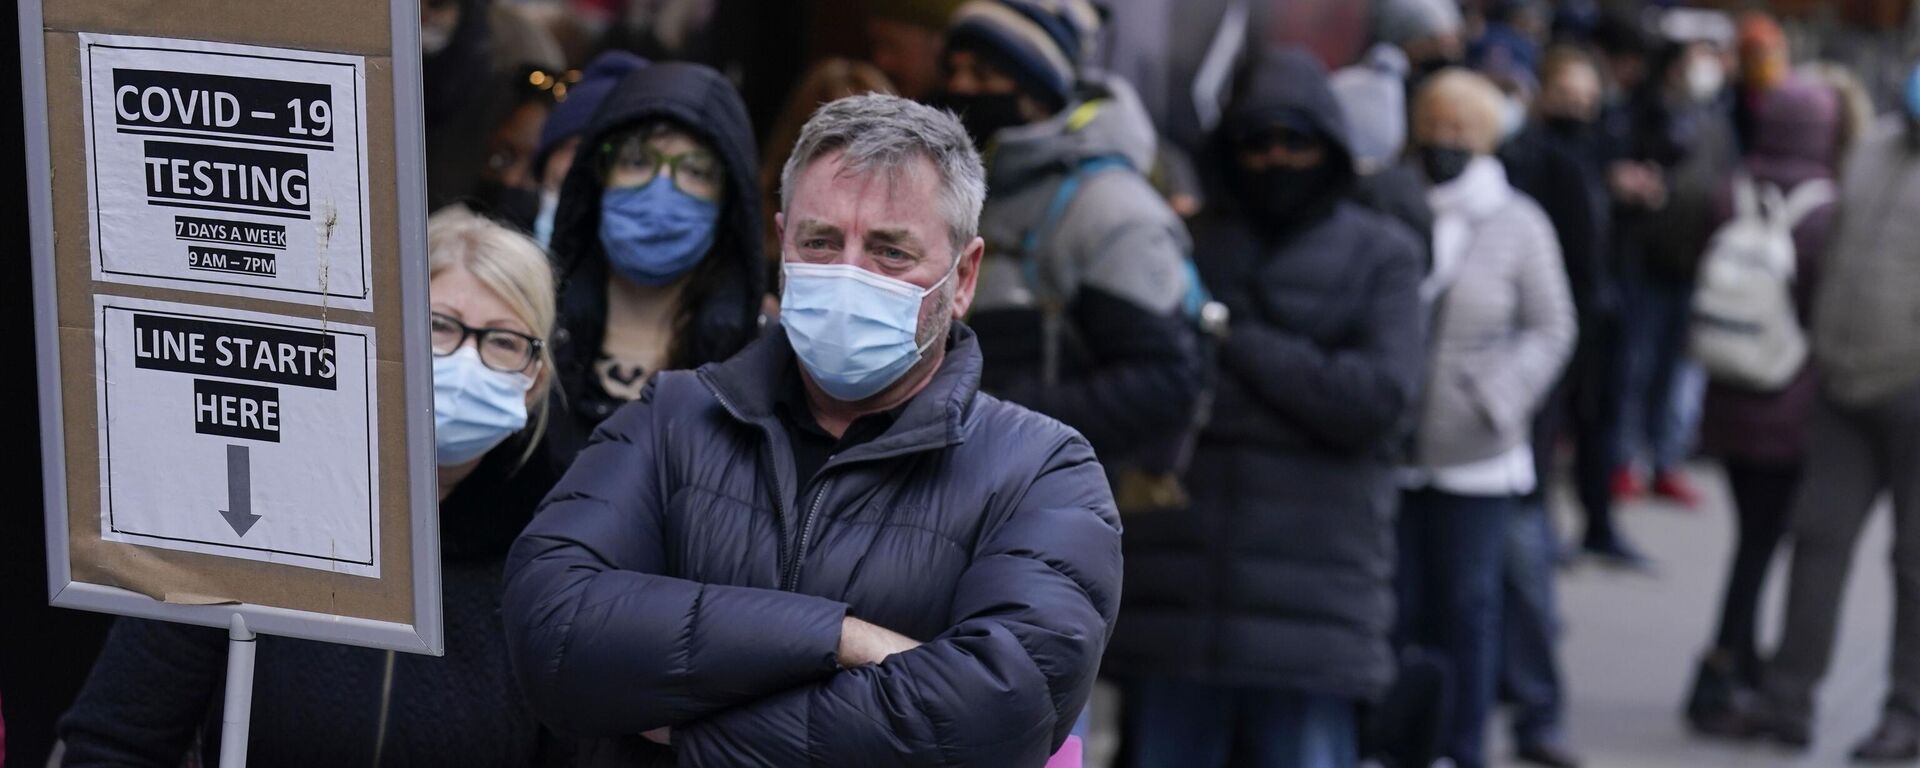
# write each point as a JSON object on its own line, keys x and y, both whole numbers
{"x": 1279, "y": 197}
{"x": 1444, "y": 164}
{"x": 982, "y": 114}
{"x": 1567, "y": 126}
{"x": 516, "y": 206}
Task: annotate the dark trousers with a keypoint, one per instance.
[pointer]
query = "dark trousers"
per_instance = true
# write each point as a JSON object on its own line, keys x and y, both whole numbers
{"x": 1451, "y": 561}
{"x": 1594, "y": 410}
{"x": 1530, "y": 628}
{"x": 1762, "y": 499}
{"x": 1656, "y": 409}
{"x": 1854, "y": 455}
{"x": 1178, "y": 723}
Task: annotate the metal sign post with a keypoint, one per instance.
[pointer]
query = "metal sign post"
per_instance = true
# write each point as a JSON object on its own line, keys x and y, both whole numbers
{"x": 237, "y": 713}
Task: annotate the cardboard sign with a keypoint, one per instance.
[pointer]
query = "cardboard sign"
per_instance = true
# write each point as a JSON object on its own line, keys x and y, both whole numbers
{"x": 232, "y": 168}
{"x": 229, "y": 266}
{"x": 238, "y": 434}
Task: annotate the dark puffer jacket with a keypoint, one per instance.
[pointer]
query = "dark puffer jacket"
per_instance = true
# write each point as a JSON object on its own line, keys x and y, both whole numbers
{"x": 725, "y": 289}
{"x": 660, "y": 586}
{"x": 1280, "y": 574}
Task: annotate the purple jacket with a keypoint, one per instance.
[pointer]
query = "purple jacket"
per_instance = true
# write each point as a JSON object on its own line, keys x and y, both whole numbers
{"x": 1795, "y": 140}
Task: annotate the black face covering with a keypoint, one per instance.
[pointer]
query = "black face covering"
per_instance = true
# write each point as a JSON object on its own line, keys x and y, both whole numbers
{"x": 1444, "y": 164}
{"x": 516, "y": 206}
{"x": 1279, "y": 198}
{"x": 983, "y": 114}
{"x": 1571, "y": 127}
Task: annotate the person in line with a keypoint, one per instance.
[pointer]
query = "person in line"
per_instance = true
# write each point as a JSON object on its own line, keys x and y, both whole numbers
{"x": 831, "y": 548}
{"x": 1502, "y": 329}
{"x": 1373, "y": 100}
{"x": 1080, "y": 310}
{"x": 1317, "y": 376}
{"x": 1865, "y": 439}
{"x": 907, "y": 38}
{"x": 1680, "y": 149}
{"x": 560, "y": 135}
{"x": 156, "y": 691}
{"x": 1760, "y": 437}
{"x": 1430, "y": 33}
{"x": 1552, "y": 160}
{"x": 657, "y": 239}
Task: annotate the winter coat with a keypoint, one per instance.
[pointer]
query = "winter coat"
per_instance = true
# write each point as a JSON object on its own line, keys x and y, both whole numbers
{"x": 1562, "y": 171}
{"x": 157, "y": 685}
{"x": 1795, "y": 136}
{"x": 1866, "y": 330}
{"x": 1501, "y": 332}
{"x": 728, "y": 284}
{"x": 1129, "y": 366}
{"x": 456, "y": 108}
{"x": 1260, "y": 583}
{"x": 681, "y": 576}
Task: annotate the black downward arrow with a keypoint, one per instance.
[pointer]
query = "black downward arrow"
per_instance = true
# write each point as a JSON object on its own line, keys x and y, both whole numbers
{"x": 239, "y": 511}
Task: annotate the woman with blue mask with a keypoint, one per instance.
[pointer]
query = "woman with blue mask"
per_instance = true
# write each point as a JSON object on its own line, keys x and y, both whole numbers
{"x": 155, "y": 692}
{"x": 657, "y": 236}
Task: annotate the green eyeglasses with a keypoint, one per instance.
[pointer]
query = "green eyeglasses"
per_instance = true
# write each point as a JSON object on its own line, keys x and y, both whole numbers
{"x": 633, "y": 162}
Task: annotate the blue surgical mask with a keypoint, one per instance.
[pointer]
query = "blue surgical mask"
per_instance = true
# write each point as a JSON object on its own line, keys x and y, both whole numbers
{"x": 655, "y": 233}
{"x": 854, "y": 330}
{"x": 474, "y": 407}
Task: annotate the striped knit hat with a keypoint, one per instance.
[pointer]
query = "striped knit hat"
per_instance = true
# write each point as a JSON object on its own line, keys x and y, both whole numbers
{"x": 1042, "y": 44}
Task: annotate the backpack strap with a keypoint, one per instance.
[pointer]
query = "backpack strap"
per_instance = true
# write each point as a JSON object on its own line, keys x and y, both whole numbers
{"x": 1053, "y": 305}
{"x": 1803, "y": 201}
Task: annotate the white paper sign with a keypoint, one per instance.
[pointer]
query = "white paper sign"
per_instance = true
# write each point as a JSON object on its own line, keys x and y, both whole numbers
{"x": 227, "y": 168}
{"x": 237, "y": 434}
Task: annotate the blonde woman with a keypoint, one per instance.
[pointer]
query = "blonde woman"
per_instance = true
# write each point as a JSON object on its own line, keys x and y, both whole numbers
{"x": 1502, "y": 329}
{"x": 154, "y": 696}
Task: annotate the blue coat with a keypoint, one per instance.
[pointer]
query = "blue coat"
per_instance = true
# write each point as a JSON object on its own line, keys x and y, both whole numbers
{"x": 681, "y": 575}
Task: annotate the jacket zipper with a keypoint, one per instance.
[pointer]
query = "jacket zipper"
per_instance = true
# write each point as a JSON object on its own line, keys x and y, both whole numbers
{"x": 792, "y": 582}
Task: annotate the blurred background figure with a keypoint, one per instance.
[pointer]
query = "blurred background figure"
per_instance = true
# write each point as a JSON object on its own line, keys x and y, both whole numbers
{"x": 1865, "y": 440}
{"x": 1760, "y": 435}
{"x": 1083, "y": 303}
{"x": 1503, "y": 328}
{"x": 657, "y": 240}
{"x": 477, "y": 73}
{"x": 907, "y": 38}
{"x": 1677, "y": 152}
{"x": 828, "y": 80}
{"x": 1373, "y": 102}
{"x": 154, "y": 697}
{"x": 1429, "y": 32}
{"x": 1222, "y": 659}
{"x": 560, "y": 135}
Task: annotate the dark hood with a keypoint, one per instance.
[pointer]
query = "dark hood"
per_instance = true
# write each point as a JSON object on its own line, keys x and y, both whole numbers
{"x": 1290, "y": 85}
{"x": 723, "y": 317}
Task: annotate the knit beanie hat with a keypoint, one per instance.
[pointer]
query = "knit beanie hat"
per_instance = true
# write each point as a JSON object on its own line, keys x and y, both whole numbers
{"x": 571, "y": 116}
{"x": 1397, "y": 21}
{"x": 1042, "y": 44}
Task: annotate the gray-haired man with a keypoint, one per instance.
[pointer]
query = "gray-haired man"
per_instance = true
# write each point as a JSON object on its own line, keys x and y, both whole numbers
{"x": 830, "y": 549}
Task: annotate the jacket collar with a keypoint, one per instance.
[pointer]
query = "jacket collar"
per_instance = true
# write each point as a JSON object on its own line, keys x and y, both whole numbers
{"x": 748, "y": 386}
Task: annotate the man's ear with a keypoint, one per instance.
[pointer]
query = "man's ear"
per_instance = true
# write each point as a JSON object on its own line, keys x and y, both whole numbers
{"x": 967, "y": 276}
{"x": 780, "y": 227}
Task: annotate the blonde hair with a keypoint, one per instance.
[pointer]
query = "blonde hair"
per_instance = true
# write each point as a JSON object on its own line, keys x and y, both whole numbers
{"x": 515, "y": 268}
{"x": 1477, "y": 98}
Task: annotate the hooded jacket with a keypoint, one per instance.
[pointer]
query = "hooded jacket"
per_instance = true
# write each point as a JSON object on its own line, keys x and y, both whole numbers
{"x": 682, "y": 575}
{"x": 1129, "y": 366}
{"x": 1280, "y": 573}
{"x": 1866, "y": 330}
{"x": 726, "y": 288}
{"x": 1795, "y": 137}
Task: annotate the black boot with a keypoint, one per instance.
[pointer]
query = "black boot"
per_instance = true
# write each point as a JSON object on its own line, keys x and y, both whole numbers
{"x": 1897, "y": 740}
{"x": 1719, "y": 702}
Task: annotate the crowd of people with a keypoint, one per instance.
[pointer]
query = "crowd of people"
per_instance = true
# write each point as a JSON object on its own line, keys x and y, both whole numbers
{"x": 830, "y": 434}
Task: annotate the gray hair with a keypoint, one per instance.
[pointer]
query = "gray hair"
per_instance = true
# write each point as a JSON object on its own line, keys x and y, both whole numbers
{"x": 881, "y": 133}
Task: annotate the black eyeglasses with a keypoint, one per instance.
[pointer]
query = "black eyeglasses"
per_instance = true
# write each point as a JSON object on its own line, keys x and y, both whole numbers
{"x": 500, "y": 349}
